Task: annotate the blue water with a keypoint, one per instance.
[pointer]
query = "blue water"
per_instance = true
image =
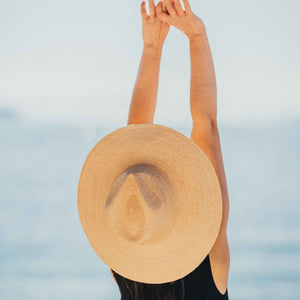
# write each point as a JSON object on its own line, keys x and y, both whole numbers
{"x": 45, "y": 254}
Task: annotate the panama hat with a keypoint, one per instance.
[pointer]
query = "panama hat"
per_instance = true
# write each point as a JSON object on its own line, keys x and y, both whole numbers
{"x": 149, "y": 202}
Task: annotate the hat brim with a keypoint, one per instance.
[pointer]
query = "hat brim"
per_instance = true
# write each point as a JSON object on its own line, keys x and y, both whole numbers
{"x": 198, "y": 193}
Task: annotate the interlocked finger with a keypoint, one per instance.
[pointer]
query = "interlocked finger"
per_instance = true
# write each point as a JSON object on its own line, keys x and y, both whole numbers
{"x": 170, "y": 8}
{"x": 152, "y": 8}
{"x": 178, "y": 7}
{"x": 143, "y": 11}
{"x": 187, "y": 6}
{"x": 162, "y": 15}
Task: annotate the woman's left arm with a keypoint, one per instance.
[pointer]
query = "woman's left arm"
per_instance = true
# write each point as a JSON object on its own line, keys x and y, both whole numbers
{"x": 143, "y": 102}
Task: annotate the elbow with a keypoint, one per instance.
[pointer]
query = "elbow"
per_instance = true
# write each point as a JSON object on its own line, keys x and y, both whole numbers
{"x": 206, "y": 120}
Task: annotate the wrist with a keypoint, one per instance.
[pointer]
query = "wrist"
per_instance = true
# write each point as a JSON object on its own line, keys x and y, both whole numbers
{"x": 153, "y": 49}
{"x": 197, "y": 35}
{"x": 197, "y": 38}
{"x": 157, "y": 46}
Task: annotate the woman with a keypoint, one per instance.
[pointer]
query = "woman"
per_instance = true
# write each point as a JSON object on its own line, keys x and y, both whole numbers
{"x": 210, "y": 279}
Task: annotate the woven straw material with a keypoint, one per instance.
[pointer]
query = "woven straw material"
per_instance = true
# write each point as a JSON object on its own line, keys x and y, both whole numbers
{"x": 149, "y": 202}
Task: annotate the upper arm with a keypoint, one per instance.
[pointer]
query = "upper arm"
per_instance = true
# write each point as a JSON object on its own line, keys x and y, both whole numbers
{"x": 205, "y": 134}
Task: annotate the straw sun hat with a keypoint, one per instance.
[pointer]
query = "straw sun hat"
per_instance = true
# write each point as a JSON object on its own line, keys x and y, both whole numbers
{"x": 149, "y": 202}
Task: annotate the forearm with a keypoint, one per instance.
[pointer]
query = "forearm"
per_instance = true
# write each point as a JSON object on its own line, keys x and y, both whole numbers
{"x": 143, "y": 102}
{"x": 203, "y": 91}
{"x": 203, "y": 102}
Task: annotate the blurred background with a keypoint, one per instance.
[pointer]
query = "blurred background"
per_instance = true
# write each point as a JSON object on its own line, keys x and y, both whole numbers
{"x": 67, "y": 72}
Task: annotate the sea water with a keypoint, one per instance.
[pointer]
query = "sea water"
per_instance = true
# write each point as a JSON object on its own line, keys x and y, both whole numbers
{"x": 44, "y": 253}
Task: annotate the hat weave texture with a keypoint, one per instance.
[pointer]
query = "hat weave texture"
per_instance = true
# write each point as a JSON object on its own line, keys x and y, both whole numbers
{"x": 149, "y": 202}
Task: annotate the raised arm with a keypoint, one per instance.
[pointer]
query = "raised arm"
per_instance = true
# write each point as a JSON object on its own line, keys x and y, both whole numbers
{"x": 203, "y": 94}
{"x": 206, "y": 135}
{"x": 144, "y": 96}
{"x": 203, "y": 103}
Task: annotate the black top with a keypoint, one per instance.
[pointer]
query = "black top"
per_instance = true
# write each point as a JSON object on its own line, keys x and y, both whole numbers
{"x": 199, "y": 284}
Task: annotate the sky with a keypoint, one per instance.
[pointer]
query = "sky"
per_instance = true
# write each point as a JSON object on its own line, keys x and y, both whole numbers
{"x": 77, "y": 61}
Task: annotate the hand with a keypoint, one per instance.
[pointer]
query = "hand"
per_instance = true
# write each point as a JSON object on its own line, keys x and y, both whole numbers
{"x": 184, "y": 20}
{"x": 154, "y": 30}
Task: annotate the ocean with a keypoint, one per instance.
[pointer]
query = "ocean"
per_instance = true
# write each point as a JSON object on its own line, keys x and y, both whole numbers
{"x": 45, "y": 254}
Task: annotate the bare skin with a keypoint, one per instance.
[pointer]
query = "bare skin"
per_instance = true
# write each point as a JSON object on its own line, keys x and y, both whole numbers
{"x": 143, "y": 102}
{"x": 203, "y": 101}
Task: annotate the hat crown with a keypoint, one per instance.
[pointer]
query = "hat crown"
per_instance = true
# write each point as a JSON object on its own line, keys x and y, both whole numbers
{"x": 140, "y": 205}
